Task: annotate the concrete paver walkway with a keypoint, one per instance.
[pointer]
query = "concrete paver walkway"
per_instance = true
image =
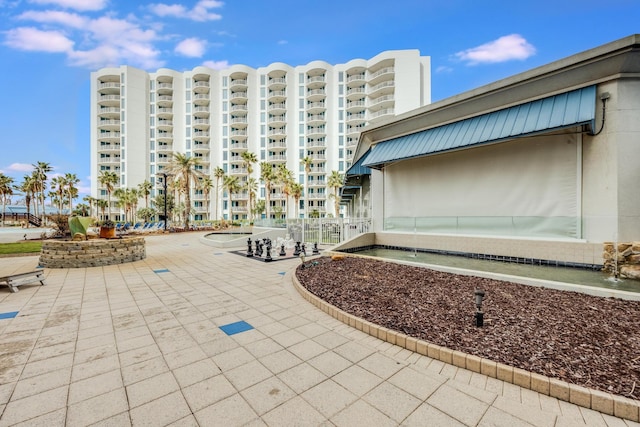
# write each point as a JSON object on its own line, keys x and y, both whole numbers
{"x": 141, "y": 344}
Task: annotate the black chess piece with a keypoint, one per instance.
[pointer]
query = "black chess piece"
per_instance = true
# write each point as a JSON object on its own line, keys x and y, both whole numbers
{"x": 315, "y": 249}
{"x": 268, "y": 257}
{"x": 249, "y": 249}
{"x": 282, "y": 251}
{"x": 296, "y": 250}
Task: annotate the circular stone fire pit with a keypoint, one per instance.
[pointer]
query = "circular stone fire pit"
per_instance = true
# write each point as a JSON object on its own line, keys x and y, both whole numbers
{"x": 91, "y": 253}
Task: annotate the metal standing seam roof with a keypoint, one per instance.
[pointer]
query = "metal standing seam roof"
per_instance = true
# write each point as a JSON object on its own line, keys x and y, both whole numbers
{"x": 555, "y": 112}
{"x": 357, "y": 168}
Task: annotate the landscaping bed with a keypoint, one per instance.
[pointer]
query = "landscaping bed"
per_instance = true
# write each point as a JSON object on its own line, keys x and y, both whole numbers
{"x": 581, "y": 339}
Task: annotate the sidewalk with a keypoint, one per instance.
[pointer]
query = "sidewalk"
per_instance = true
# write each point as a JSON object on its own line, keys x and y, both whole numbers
{"x": 142, "y": 344}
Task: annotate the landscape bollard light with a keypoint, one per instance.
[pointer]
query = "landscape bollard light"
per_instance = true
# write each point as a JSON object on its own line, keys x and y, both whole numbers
{"x": 479, "y": 316}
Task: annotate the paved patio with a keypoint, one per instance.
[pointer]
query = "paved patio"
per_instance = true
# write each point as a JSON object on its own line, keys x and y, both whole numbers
{"x": 142, "y": 344}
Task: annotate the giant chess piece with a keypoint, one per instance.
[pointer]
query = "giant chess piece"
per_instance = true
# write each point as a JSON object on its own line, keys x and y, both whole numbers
{"x": 249, "y": 250}
{"x": 315, "y": 249}
{"x": 304, "y": 249}
{"x": 257, "y": 251}
{"x": 296, "y": 251}
{"x": 282, "y": 251}
{"x": 268, "y": 257}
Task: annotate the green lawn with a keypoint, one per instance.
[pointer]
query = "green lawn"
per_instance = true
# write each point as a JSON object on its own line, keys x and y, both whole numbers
{"x": 20, "y": 248}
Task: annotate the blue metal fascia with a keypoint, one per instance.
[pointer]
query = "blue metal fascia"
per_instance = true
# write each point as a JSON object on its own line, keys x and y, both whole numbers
{"x": 567, "y": 109}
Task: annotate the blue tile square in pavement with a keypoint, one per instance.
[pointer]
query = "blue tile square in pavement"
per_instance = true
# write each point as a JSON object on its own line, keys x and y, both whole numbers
{"x": 282, "y": 273}
{"x": 236, "y": 328}
{"x": 163, "y": 270}
{"x": 9, "y": 315}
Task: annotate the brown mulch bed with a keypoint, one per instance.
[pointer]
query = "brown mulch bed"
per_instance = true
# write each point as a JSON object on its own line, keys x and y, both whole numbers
{"x": 581, "y": 339}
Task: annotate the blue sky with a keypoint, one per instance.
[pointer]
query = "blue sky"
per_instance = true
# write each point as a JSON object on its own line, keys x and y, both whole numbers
{"x": 49, "y": 48}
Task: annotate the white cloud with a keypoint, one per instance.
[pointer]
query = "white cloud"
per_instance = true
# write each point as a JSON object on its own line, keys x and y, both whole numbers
{"x": 506, "y": 48}
{"x": 67, "y": 19}
{"x": 33, "y": 39}
{"x": 200, "y": 11}
{"x": 216, "y": 65}
{"x": 75, "y": 4}
{"x": 191, "y": 47}
{"x": 20, "y": 167}
{"x": 443, "y": 69}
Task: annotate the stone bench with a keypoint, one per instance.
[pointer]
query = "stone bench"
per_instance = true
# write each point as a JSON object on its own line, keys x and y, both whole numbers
{"x": 16, "y": 280}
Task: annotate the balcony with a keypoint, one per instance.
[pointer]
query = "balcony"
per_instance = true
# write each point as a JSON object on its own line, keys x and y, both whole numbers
{"x": 109, "y": 112}
{"x": 164, "y": 88}
{"x": 238, "y": 108}
{"x": 109, "y": 100}
{"x": 240, "y": 134}
{"x": 277, "y": 144}
{"x": 278, "y": 108}
{"x": 316, "y": 79}
{"x": 203, "y": 160}
{"x": 317, "y": 196}
{"x": 201, "y": 86}
{"x": 238, "y": 85}
{"x": 356, "y": 93}
{"x": 239, "y": 121}
{"x": 201, "y": 99}
{"x": 276, "y": 158}
{"x": 109, "y": 160}
{"x": 111, "y": 125}
{"x": 356, "y": 106}
{"x": 201, "y": 136}
{"x": 163, "y": 160}
{"x": 277, "y": 120}
{"x": 109, "y": 136}
{"x": 238, "y": 171}
{"x": 380, "y": 75}
{"x": 381, "y": 102}
{"x": 316, "y": 107}
{"x": 317, "y": 170}
{"x": 316, "y": 144}
{"x": 316, "y": 131}
{"x": 109, "y": 88}
{"x": 163, "y": 148}
{"x": 317, "y": 183}
{"x": 316, "y": 95}
{"x": 353, "y": 131}
{"x": 164, "y": 136}
{"x": 277, "y": 96}
{"x": 277, "y": 132}
{"x": 316, "y": 119}
{"x": 106, "y": 148}
{"x": 277, "y": 83}
{"x": 164, "y": 113}
{"x": 165, "y": 125}
{"x": 238, "y": 96}
{"x": 165, "y": 100}
{"x": 381, "y": 88}
{"x": 385, "y": 112}
{"x": 238, "y": 146}
{"x": 201, "y": 111}
{"x": 200, "y": 123}
{"x": 318, "y": 157}
{"x": 356, "y": 118}
{"x": 240, "y": 196}
{"x": 201, "y": 147}
{"x": 356, "y": 80}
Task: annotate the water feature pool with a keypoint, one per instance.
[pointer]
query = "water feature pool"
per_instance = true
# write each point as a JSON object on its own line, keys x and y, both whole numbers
{"x": 575, "y": 276}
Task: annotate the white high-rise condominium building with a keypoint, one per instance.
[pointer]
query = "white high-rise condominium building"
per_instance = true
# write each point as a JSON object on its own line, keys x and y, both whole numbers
{"x": 280, "y": 113}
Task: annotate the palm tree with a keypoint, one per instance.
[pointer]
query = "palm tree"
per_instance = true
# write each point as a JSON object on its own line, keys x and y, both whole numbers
{"x": 335, "y": 181}
{"x": 90, "y": 201}
{"x": 109, "y": 180}
{"x": 218, "y": 174}
{"x": 102, "y": 204}
{"x": 268, "y": 176}
{"x": 28, "y": 187}
{"x": 251, "y": 186}
{"x": 59, "y": 184}
{"x": 206, "y": 183}
{"x": 144, "y": 190}
{"x": 307, "y": 162}
{"x": 72, "y": 191}
{"x": 40, "y": 172}
{"x": 285, "y": 179}
{"x": 6, "y": 190}
{"x": 232, "y": 186}
{"x": 248, "y": 159}
{"x": 296, "y": 192}
{"x": 184, "y": 167}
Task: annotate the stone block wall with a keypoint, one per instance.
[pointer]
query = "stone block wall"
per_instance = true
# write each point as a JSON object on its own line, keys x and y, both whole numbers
{"x": 91, "y": 253}
{"x": 622, "y": 259}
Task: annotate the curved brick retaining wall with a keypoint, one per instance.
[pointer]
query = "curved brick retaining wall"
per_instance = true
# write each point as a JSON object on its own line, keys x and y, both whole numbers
{"x": 91, "y": 253}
